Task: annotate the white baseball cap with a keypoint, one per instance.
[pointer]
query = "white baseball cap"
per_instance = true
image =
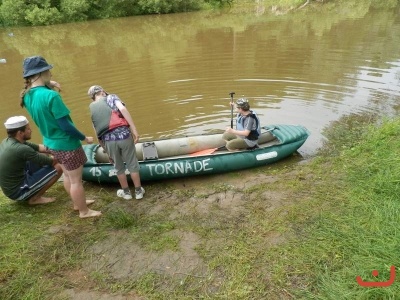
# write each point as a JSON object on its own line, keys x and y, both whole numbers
{"x": 16, "y": 122}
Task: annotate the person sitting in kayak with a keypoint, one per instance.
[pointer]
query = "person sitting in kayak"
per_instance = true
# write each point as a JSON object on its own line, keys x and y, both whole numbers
{"x": 247, "y": 131}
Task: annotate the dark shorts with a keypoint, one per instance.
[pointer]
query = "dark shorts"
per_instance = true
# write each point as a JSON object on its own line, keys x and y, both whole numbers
{"x": 71, "y": 160}
{"x": 35, "y": 178}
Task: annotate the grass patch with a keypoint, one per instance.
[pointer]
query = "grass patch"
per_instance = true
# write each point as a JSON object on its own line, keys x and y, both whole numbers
{"x": 354, "y": 231}
{"x": 120, "y": 219}
{"x": 155, "y": 236}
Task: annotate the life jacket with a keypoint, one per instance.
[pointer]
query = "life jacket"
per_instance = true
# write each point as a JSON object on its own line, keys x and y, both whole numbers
{"x": 104, "y": 118}
{"x": 254, "y": 134}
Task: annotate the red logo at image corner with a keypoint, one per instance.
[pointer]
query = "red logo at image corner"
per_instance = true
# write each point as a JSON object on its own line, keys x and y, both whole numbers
{"x": 378, "y": 283}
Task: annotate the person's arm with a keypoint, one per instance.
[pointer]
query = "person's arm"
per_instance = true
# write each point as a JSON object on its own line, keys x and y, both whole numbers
{"x": 248, "y": 124}
{"x": 30, "y": 152}
{"x": 129, "y": 119}
{"x": 54, "y": 85}
{"x": 43, "y": 149}
{"x": 244, "y": 133}
{"x": 70, "y": 129}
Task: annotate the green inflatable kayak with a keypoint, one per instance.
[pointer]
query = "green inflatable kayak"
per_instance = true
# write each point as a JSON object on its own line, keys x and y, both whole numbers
{"x": 197, "y": 155}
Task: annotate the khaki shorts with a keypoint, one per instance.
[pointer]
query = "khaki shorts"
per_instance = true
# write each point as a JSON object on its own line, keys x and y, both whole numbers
{"x": 234, "y": 142}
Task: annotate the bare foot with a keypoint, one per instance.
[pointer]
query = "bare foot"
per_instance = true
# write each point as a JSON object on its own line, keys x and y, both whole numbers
{"x": 90, "y": 214}
{"x": 41, "y": 200}
{"x": 88, "y": 202}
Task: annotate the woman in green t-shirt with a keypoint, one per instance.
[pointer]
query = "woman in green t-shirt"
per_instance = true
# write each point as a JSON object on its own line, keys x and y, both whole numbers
{"x": 60, "y": 135}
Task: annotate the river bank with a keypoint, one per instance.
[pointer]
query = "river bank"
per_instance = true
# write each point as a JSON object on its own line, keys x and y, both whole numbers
{"x": 286, "y": 231}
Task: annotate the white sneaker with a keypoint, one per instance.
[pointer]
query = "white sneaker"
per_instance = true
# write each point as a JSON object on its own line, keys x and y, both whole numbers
{"x": 139, "y": 194}
{"x": 122, "y": 194}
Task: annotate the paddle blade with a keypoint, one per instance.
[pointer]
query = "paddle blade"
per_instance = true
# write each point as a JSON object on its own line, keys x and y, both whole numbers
{"x": 203, "y": 152}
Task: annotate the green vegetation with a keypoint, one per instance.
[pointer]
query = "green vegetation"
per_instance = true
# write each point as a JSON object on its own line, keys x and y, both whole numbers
{"x": 294, "y": 232}
{"x": 46, "y": 12}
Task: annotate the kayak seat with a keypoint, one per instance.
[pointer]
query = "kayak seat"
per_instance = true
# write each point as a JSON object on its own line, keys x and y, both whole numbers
{"x": 149, "y": 151}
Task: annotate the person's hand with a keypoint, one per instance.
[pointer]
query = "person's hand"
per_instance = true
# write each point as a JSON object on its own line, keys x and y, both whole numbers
{"x": 55, "y": 161}
{"x": 136, "y": 139}
{"x": 228, "y": 129}
{"x": 89, "y": 139}
{"x": 44, "y": 149}
{"x": 54, "y": 84}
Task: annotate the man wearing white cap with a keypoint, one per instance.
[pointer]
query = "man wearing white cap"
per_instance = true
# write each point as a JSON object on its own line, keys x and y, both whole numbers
{"x": 26, "y": 172}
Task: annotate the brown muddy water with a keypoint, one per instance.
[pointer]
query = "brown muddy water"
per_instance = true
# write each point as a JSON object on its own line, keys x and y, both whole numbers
{"x": 175, "y": 72}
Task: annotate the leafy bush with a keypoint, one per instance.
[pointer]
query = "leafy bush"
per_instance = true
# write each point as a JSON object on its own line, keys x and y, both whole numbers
{"x": 43, "y": 16}
{"x": 12, "y": 12}
{"x": 74, "y": 10}
{"x": 166, "y": 6}
{"x": 45, "y": 12}
{"x": 219, "y": 2}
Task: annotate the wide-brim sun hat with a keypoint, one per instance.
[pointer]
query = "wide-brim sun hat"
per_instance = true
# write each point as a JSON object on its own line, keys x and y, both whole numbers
{"x": 34, "y": 65}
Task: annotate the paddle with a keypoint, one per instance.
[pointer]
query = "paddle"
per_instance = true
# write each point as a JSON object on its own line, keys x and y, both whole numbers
{"x": 207, "y": 151}
{"x": 231, "y": 93}
{"x": 212, "y": 150}
{"x": 204, "y": 152}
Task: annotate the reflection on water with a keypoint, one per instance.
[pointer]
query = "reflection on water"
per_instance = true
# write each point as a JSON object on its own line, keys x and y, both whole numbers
{"x": 175, "y": 72}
